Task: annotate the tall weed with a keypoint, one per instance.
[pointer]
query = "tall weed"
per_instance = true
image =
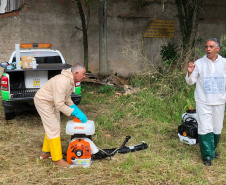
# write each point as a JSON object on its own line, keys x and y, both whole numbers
{"x": 166, "y": 97}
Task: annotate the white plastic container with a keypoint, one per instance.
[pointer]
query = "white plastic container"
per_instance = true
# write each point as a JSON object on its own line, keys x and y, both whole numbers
{"x": 187, "y": 140}
{"x": 87, "y": 128}
{"x": 189, "y": 116}
{"x": 35, "y": 79}
{"x": 34, "y": 65}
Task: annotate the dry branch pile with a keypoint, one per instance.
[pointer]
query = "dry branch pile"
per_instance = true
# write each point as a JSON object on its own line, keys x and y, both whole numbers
{"x": 112, "y": 80}
{"x": 106, "y": 80}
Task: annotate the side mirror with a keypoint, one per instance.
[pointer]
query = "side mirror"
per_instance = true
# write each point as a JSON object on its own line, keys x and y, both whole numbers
{"x": 4, "y": 64}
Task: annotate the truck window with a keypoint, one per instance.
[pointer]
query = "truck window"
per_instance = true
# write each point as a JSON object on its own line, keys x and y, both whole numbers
{"x": 42, "y": 57}
{"x": 46, "y": 60}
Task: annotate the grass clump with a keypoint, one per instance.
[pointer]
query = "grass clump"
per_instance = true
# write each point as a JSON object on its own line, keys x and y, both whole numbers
{"x": 108, "y": 89}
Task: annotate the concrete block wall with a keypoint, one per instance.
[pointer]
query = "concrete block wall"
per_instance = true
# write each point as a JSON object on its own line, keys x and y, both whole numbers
{"x": 212, "y": 22}
{"x": 10, "y": 34}
{"x": 51, "y": 21}
{"x": 54, "y": 21}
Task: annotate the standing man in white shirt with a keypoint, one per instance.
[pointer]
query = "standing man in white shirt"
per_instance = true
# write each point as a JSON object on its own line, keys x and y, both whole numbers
{"x": 209, "y": 74}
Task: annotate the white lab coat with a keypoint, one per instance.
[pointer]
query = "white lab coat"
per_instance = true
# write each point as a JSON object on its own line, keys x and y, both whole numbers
{"x": 210, "y": 79}
{"x": 210, "y": 96}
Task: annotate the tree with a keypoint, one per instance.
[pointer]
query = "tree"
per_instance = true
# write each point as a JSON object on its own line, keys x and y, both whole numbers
{"x": 84, "y": 29}
{"x": 102, "y": 33}
{"x": 103, "y": 65}
{"x": 188, "y": 14}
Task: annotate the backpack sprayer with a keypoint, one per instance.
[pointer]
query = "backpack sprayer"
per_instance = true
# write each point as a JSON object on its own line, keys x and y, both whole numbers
{"x": 188, "y": 130}
{"x": 82, "y": 150}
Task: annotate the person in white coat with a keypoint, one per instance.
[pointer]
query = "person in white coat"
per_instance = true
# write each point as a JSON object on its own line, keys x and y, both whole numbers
{"x": 209, "y": 74}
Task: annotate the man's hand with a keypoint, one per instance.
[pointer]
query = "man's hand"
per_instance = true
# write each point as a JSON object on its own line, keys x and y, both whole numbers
{"x": 78, "y": 113}
{"x": 191, "y": 67}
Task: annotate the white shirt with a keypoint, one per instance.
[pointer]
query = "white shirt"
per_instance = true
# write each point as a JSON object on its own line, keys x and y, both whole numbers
{"x": 210, "y": 79}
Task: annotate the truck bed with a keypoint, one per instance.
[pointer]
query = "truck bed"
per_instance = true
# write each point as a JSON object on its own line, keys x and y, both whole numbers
{"x": 18, "y": 90}
{"x": 42, "y": 67}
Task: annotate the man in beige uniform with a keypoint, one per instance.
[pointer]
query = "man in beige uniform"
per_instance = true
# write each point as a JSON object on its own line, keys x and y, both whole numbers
{"x": 50, "y": 100}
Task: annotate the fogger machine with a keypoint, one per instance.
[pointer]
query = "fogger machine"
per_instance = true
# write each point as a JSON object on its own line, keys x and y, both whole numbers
{"x": 82, "y": 150}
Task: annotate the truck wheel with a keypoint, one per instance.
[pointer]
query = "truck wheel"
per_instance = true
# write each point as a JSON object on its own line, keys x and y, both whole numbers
{"x": 10, "y": 115}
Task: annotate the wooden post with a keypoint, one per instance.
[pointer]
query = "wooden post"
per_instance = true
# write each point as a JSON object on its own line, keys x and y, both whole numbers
{"x": 103, "y": 66}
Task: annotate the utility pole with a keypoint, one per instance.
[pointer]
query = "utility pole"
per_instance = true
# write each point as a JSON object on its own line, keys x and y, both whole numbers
{"x": 103, "y": 66}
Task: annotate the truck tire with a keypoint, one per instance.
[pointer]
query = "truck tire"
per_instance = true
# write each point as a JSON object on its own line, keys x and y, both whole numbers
{"x": 10, "y": 115}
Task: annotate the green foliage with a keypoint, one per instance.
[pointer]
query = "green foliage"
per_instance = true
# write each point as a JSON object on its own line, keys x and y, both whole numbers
{"x": 162, "y": 99}
{"x": 199, "y": 40}
{"x": 199, "y": 52}
{"x": 168, "y": 52}
{"x": 143, "y": 80}
{"x": 108, "y": 89}
{"x": 222, "y": 52}
{"x": 169, "y": 57}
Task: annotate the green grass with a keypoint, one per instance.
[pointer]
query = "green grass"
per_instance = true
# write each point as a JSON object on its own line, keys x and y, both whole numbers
{"x": 152, "y": 115}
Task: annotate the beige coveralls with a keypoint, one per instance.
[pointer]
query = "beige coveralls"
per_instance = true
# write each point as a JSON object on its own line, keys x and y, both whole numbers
{"x": 53, "y": 98}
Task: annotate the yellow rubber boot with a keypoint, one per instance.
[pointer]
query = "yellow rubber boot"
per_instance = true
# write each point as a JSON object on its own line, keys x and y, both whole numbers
{"x": 45, "y": 154}
{"x": 56, "y": 152}
{"x": 45, "y": 147}
{"x": 55, "y": 148}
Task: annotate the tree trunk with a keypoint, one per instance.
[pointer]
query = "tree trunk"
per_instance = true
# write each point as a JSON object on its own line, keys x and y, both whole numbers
{"x": 85, "y": 36}
{"x": 188, "y": 14}
{"x": 103, "y": 66}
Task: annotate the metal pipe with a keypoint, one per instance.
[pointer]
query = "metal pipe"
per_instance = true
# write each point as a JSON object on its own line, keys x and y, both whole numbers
{"x": 17, "y": 47}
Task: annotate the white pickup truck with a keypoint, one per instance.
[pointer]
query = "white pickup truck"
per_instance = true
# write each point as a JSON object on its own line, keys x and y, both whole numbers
{"x": 20, "y": 83}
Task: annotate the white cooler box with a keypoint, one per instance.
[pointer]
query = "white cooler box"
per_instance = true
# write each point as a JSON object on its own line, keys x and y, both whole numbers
{"x": 35, "y": 79}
